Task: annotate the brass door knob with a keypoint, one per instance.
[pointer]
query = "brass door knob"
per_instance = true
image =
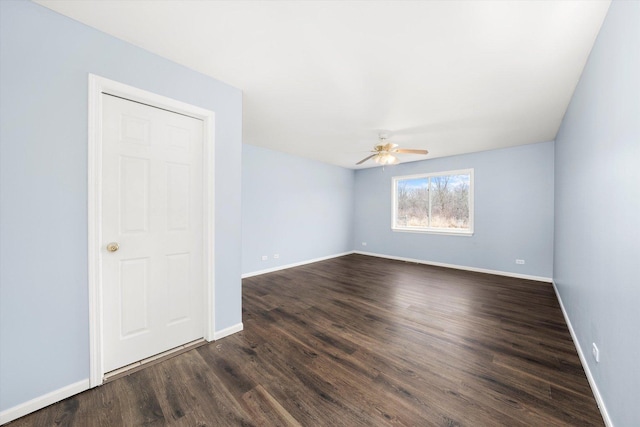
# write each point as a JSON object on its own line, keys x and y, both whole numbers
{"x": 113, "y": 246}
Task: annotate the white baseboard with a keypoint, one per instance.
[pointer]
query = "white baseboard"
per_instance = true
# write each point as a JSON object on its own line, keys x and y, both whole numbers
{"x": 42, "y": 401}
{"x": 460, "y": 267}
{"x": 228, "y": 331}
{"x": 583, "y": 361}
{"x": 296, "y": 264}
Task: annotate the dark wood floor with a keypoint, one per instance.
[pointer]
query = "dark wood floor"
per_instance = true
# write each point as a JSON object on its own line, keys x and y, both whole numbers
{"x": 362, "y": 341}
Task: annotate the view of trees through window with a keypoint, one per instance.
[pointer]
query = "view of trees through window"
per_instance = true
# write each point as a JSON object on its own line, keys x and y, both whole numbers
{"x": 433, "y": 201}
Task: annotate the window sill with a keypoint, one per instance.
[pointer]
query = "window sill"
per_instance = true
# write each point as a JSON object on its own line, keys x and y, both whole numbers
{"x": 433, "y": 231}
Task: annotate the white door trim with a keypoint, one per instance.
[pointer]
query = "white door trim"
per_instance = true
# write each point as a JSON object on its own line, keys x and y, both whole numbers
{"x": 97, "y": 87}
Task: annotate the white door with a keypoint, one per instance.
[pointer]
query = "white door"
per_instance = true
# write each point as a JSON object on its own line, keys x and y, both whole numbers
{"x": 152, "y": 275}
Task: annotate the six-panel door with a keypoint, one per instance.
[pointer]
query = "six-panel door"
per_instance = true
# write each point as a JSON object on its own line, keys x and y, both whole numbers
{"x": 152, "y": 208}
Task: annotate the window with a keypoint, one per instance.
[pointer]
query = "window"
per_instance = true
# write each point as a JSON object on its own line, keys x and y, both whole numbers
{"x": 436, "y": 202}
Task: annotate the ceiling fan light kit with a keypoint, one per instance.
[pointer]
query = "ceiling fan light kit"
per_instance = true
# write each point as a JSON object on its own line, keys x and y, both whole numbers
{"x": 384, "y": 152}
{"x": 386, "y": 159}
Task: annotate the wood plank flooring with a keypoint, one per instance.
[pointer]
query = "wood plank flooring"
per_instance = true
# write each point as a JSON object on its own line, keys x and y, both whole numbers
{"x": 362, "y": 341}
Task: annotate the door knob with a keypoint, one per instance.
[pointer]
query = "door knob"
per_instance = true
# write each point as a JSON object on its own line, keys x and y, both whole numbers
{"x": 113, "y": 246}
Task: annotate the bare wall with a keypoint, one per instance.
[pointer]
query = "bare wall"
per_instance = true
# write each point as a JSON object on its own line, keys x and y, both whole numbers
{"x": 597, "y": 202}
{"x": 297, "y": 208}
{"x": 513, "y": 212}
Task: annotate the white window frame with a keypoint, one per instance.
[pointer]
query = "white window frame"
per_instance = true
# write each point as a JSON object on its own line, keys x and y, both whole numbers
{"x": 432, "y": 230}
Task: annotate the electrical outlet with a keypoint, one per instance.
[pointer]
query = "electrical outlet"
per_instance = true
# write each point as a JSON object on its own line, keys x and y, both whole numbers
{"x": 364, "y": 243}
{"x": 264, "y": 257}
{"x": 595, "y": 352}
{"x": 276, "y": 256}
{"x": 520, "y": 261}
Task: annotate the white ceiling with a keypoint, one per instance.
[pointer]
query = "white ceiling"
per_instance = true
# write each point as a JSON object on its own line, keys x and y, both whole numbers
{"x": 320, "y": 78}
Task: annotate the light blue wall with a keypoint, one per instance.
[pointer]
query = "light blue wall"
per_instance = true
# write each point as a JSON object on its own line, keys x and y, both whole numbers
{"x": 45, "y": 59}
{"x": 513, "y": 212}
{"x": 597, "y": 206}
{"x": 298, "y": 208}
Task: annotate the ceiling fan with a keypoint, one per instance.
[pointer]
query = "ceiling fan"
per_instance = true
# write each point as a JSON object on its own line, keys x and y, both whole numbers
{"x": 383, "y": 153}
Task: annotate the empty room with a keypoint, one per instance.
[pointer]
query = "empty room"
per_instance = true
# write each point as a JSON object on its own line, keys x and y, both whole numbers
{"x": 319, "y": 213}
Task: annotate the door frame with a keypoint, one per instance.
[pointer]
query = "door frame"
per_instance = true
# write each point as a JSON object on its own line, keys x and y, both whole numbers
{"x": 98, "y": 86}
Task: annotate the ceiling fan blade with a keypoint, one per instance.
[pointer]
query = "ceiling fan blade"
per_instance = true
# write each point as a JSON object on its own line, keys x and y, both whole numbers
{"x": 410, "y": 151}
{"x": 366, "y": 158}
{"x": 389, "y": 146}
